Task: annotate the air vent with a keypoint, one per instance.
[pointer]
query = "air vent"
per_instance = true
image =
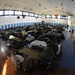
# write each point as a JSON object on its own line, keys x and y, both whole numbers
{"x": 30, "y": 9}
{"x": 62, "y": 8}
{"x": 39, "y": 4}
{"x": 55, "y": 6}
{"x": 5, "y": 4}
{"x": 10, "y": 5}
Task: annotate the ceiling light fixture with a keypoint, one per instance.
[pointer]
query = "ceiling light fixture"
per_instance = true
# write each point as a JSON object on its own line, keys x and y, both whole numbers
{"x": 23, "y": 16}
{"x": 24, "y": 7}
{"x": 44, "y": 8}
{"x": 61, "y": 4}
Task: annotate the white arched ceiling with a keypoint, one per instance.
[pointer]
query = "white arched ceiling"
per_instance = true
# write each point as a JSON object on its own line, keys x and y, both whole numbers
{"x": 60, "y": 7}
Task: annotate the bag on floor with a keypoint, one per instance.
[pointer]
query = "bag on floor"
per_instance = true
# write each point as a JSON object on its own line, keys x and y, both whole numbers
{"x": 28, "y": 65}
{"x": 62, "y": 36}
{"x": 47, "y": 55}
{"x": 54, "y": 46}
{"x": 39, "y": 48}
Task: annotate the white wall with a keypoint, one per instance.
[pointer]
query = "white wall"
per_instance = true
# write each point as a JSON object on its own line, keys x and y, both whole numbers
{"x": 4, "y": 20}
{"x": 55, "y": 20}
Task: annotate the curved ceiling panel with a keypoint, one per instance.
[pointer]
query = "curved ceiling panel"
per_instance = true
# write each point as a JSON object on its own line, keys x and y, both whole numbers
{"x": 41, "y": 6}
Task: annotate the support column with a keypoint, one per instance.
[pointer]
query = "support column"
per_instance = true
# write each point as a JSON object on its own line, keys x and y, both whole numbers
{"x": 69, "y": 23}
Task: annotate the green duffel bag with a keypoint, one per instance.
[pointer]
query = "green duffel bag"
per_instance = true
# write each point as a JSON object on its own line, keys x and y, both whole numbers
{"x": 28, "y": 65}
{"x": 47, "y": 55}
{"x": 54, "y": 46}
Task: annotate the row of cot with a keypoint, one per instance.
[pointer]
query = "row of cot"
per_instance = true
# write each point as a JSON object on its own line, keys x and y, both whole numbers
{"x": 42, "y": 39}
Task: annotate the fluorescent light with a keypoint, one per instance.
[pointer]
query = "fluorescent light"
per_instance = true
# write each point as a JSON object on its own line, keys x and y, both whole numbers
{"x": 36, "y": 15}
{"x": 25, "y": 13}
{"x": 53, "y": 16}
{"x": 9, "y": 12}
{"x": 31, "y": 14}
{"x": 18, "y": 13}
{"x": 47, "y": 16}
{"x": 39, "y": 16}
{"x": 1, "y": 12}
{"x": 58, "y": 17}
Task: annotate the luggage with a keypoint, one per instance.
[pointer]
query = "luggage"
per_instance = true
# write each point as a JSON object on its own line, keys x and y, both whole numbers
{"x": 39, "y": 48}
{"x": 54, "y": 46}
{"x": 47, "y": 55}
{"x": 47, "y": 58}
{"x": 57, "y": 48}
{"x": 62, "y": 36}
{"x": 29, "y": 38}
{"x": 28, "y": 65}
{"x": 38, "y": 43}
